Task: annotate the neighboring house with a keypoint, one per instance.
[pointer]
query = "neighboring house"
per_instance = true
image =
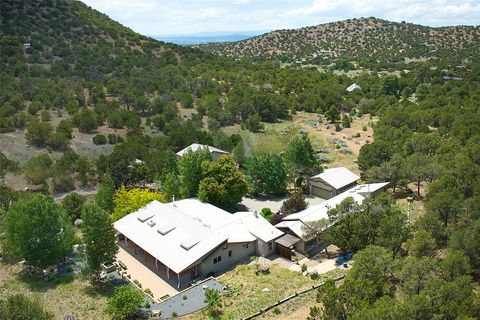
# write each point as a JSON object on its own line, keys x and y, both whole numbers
{"x": 216, "y": 153}
{"x": 331, "y": 182}
{"x": 354, "y": 86}
{"x": 294, "y": 240}
{"x": 186, "y": 240}
{"x": 27, "y": 45}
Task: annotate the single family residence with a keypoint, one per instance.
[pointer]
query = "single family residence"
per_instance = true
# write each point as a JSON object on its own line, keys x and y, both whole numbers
{"x": 353, "y": 86}
{"x": 332, "y": 182}
{"x": 216, "y": 153}
{"x": 293, "y": 225}
{"x": 186, "y": 240}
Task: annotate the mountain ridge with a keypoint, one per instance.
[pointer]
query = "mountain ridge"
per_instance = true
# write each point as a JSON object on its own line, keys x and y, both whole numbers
{"x": 363, "y": 39}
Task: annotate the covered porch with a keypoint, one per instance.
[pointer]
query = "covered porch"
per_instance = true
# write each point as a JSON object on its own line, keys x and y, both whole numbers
{"x": 135, "y": 257}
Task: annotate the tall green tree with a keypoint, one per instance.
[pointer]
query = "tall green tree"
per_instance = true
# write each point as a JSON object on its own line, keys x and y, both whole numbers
{"x": 104, "y": 196}
{"x": 190, "y": 171}
{"x": 222, "y": 184}
{"x": 420, "y": 168}
{"x": 301, "y": 158}
{"x": 73, "y": 205}
{"x": 99, "y": 237}
{"x": 266, "y": 175}
{"x": 37, "y": 230}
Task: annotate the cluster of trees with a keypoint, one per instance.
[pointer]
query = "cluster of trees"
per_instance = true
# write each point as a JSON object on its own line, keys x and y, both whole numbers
{"x": 61, "y": 175}
{"x": 425, "y": 269}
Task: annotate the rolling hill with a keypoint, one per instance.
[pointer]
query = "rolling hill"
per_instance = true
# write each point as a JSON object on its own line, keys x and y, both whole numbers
{"x": 364, "y": 40}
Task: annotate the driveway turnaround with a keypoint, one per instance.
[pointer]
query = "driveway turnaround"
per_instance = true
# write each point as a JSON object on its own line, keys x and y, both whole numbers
{"x": 187, "y": 301}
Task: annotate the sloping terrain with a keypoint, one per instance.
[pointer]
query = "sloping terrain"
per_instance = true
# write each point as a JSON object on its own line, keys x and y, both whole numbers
{"x": 368, "y": 39}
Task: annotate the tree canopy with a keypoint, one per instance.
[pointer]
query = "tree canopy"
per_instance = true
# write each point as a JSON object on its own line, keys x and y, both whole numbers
{"x": 37, "y": 230}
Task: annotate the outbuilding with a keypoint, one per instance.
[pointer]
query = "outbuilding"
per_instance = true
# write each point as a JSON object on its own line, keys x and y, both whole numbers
{"x": 332, "y": 182}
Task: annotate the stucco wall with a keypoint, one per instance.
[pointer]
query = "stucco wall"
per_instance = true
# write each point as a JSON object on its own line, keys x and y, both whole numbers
{"x": 262, "y": 248}
{"x": 239, "y": 253}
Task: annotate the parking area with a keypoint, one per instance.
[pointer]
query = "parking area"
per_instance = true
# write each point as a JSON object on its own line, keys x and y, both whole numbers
{"x": 186, "y": 301}
{"x": 274, "y": 203}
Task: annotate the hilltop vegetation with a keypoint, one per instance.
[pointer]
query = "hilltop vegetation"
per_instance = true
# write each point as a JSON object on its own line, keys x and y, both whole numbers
{"x": 373, "y": 43}
{"x": 85, "y": 75}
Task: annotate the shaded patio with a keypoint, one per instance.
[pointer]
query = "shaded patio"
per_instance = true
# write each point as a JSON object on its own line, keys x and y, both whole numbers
{"x": 146, "y": 274}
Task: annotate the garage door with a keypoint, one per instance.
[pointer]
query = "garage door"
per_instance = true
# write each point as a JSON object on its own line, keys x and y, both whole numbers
{"x": 322, "y": 193}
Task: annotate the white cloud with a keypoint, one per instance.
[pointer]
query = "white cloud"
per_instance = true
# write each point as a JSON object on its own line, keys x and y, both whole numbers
{"x": 152, "y": 17}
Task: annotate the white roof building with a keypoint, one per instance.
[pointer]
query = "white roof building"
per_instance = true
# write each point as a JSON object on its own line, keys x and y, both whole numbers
{"x": 332, "y": 182}
{"x": 353, "y": 87}
{"x": 337, "y": 177}
{"x": 294, "y": 222}
{"x": 196, "y": 147}
{"x": 181, "y": 233}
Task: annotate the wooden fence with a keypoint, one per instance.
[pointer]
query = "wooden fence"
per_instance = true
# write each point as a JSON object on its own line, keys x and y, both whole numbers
{"x": 293, "y": 296}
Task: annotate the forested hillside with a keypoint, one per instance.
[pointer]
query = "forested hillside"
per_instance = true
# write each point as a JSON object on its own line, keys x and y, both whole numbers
{"x": 69, "y": 72}
{"x": 369, "y": 41}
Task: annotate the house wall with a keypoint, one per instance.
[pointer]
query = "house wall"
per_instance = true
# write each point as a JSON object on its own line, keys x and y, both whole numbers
{"x": 328, "y": 190}
{"x": 262, "y": 248}
{"x": 240, "y": 252}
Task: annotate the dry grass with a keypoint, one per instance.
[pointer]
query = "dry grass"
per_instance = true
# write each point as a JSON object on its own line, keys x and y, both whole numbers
{"x": 276, "y": 136}
{"x": 62, "y": 295}
{"x": 247, "y": 296}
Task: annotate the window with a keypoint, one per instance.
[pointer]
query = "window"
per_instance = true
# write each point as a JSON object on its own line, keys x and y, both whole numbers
{"x": 270, "y": 245}
{"x": 217, "y": 259}
{"x": 225, "y": 247}
{"x": 230, "y": 253}
{"x": 245, "y": 245}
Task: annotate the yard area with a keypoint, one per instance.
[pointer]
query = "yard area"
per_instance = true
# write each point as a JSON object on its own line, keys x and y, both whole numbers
{"x": 324, "y": 138}
{"x": 249, "y": 292}
{"x": 63, "y": 295}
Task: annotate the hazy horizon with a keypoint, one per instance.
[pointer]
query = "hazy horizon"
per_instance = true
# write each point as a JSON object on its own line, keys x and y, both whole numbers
{"x": 186, "y": 18}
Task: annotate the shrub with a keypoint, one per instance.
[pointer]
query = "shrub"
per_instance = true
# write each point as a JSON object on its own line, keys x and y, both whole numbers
{"x": 184, "y": 297}
{"x": 304, "y": 267}
{"x": 99, "y": 139}
{"x": 148, "y": 291}
{"x": 356, "y": 135}
{"x": 174, "y": 314}
{"x": 364, "y": 128}
{"x": 276, "y": 311}
{"x": 112, "y": 138}
{"x": 267, "y": 214}
{"x": 345, "y": 150}
{"x": 295, "y": 203}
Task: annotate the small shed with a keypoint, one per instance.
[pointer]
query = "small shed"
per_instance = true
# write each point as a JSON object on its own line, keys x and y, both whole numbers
{"x": 285, "y": 245}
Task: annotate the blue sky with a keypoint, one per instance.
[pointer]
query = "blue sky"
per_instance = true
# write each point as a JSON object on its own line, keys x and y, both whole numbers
{"x": 162, "y": 17}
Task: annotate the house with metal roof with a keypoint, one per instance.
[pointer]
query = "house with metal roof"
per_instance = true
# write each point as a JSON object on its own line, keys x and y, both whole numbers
{"x": 293, "y": 224}
{"x": 216, "y": 153}
{"x": 332, "y": 182}
{"x": 353, "y": 86}
{"x": 188, "y": 240}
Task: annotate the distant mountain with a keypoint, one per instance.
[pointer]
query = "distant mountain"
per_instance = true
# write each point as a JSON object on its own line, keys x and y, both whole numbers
{"x": 364, "y": 39}
{"x": 208, "y": 37}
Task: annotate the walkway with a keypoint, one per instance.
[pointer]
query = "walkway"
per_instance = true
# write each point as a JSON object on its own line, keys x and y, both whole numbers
{"x": 186, "y": 301}
{"x": 147, "y": 278}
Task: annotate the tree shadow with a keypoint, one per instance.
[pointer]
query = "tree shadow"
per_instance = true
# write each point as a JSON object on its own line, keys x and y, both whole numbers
{"x": 37, "y": 284}
{"x": 99, "y": 290}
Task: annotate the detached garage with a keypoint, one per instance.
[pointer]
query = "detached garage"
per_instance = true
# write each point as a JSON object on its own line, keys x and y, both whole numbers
{"x": 332, "y": 182}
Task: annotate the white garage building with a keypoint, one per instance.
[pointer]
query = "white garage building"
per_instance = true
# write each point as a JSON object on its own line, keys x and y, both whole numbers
{"x": 332, "y": 182}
